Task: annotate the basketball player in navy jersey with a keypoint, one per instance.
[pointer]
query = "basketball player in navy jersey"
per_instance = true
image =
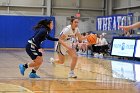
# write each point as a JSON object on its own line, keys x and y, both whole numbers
{"x": 33, "y": 49}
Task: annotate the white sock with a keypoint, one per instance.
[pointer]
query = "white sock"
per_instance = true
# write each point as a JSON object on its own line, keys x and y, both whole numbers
{"x": 72, "y": 71}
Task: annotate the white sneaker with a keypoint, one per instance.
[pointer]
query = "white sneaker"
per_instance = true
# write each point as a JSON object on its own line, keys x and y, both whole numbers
{"x": 72, "y": 75}
{"x": 51, "y": 60}
{"x": 101, "y": 55}
{"x": 96, "y": 55}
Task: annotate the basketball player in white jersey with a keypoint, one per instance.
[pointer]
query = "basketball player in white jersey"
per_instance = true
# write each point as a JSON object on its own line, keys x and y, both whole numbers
{"x": 64, "y": 45}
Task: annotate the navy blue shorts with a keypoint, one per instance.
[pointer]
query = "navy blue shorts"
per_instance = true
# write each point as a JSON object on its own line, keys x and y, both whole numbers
{"x": 32, "y": 51}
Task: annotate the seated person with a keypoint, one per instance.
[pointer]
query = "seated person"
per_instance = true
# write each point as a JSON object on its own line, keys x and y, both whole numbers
{"x": 127, "y": 34}
{"x": 102, "y": 45}
{"x": 83, "y": 44}
{"x": 80, "y": 46}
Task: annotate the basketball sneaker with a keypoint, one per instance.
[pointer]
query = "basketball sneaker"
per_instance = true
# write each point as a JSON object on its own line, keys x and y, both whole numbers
{"x": 22, "y": 69}
{"x": 72, "y": 75}
{"x": 101, "y": 55}
{"x": 33, "y": 75}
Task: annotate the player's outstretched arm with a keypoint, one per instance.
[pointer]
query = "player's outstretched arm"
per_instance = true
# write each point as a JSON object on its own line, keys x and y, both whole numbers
{"x": 127, "y": 28}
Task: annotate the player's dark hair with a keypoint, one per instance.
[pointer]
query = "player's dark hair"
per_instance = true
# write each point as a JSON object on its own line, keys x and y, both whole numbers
{"x": 73, "y": 18}
{"x": 43, "y": 23}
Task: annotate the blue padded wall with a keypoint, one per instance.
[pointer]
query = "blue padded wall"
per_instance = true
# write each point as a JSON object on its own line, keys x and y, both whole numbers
{"x": 16, "y": 30}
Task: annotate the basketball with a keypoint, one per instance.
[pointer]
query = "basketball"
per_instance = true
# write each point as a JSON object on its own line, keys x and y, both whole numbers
{"x": 92, "y": 39}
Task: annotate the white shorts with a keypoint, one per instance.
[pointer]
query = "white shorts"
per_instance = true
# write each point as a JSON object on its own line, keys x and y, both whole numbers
{"x": 61, "y": 49}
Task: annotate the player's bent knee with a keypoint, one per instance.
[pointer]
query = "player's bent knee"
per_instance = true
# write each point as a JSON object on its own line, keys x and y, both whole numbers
{"x": 38, "y": 63}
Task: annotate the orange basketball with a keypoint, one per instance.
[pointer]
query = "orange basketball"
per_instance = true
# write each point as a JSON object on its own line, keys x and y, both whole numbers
{"x": 92, "y": 39}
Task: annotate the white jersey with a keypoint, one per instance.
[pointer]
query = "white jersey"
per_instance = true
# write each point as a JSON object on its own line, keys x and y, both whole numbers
{"x": 69, "y": 33}
{"x": 70, "y": 36}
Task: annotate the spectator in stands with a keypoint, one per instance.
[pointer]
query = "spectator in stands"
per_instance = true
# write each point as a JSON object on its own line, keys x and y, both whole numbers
{"x": 94, "y": 46}
{"x": 127, "y": 34}
{"x": 82, "y": 46}
{"x": 90, "y": 46}
{"x": 102, "y": 41}
{"x": 102, "y": 46}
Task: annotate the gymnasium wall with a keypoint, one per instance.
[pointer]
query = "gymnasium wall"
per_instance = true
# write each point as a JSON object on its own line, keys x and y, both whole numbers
{"x": 126, "y": 3}
{"x": 85, "y": 24}
{"x": 126, "y": 6}
{"x": 16, "y": 30}
{"x": 61, "y": 9}
{"x": 87, "y": 8}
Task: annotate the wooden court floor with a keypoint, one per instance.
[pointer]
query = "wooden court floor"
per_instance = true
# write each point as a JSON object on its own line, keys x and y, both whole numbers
{"x": 94, "y": 76}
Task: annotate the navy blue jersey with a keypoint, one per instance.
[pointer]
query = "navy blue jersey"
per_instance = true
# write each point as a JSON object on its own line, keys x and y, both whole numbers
{"x": 40, "y": 35}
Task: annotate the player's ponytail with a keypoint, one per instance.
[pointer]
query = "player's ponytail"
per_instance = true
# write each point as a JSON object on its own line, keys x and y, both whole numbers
{"x": 43, "y": 23}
